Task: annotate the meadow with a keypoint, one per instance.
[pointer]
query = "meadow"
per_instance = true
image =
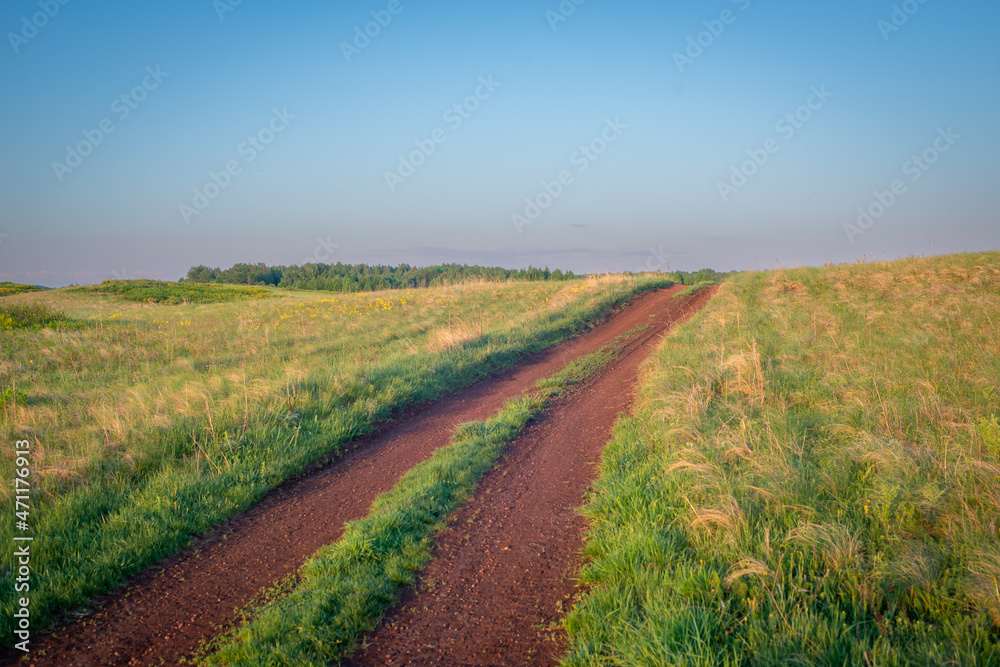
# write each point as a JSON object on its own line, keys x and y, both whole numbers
{"x": 812, "y": 476}
{"x": 151, "y": 423}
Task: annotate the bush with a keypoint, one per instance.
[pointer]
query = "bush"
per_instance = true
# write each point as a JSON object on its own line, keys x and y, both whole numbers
{"x": 30, "y": 315}
{"x": 7, "y": 288}
{"x": 158, "y": 291}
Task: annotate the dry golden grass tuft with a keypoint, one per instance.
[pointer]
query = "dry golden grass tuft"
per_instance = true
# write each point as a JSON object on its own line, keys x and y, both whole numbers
{"x": 781, "y": 285}
{"x": 746, "y": 376}
{"x": 455, "y": 336}
{"x": 837, "y": 545}
{"x": 747, "y": 567}
{"x": 914, "y": 567}
{"x": 983, "y": 585}
{"x": 726, "y": 517}
{"x": 714, "y": 519}
{"x": 699, "y": 464}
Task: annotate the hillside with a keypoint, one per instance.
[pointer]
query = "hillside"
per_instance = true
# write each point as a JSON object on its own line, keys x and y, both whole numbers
{"x": 813, "y": 478}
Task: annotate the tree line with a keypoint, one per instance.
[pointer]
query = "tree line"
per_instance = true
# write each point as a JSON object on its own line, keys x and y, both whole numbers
{"x": 342, "y": 277}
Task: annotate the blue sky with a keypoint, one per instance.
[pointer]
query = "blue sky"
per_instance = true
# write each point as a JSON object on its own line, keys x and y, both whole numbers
{"x": 656, "y": 149}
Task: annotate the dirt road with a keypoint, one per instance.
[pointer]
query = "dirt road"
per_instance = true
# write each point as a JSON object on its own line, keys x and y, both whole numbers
{"x": 164, "y": 613}
{"x": 501, "y": 577}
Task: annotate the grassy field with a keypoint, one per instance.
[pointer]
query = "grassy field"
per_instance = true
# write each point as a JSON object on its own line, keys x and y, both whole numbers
{"x": 812, "y": 477}
{"x": 150, "y": 423}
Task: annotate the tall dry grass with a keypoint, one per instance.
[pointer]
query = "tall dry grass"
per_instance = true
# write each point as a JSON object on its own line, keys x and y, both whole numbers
{"x": 813, "y": 477}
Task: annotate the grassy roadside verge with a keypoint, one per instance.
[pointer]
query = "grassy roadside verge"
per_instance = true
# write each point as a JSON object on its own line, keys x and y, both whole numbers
{"x": 149, "y": 488}
{"x": 346, "y": 587}
{"x": 813, "y": 478}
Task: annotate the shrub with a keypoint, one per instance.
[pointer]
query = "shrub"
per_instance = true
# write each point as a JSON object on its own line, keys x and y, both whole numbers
{"x": 29, "y": 315}
{"x": 158, "y": 291}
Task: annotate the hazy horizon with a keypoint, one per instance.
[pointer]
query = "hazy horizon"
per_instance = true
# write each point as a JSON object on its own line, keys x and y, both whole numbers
{"x": 143, "y": 140}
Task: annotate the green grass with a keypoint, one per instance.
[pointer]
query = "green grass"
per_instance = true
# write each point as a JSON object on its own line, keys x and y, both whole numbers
{"x": 157, "y": 291}
{"x": 11, "y": 396}
{"x": 345, "y": 587}
{"x": 7, "y": 288}
{"x": 152, "y": 423}
{"x": 813, "y": 478}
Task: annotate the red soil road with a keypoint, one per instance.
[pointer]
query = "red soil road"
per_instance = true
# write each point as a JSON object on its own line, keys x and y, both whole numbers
{"x": 164, "y": 613}
{"x": 502, "y": 572}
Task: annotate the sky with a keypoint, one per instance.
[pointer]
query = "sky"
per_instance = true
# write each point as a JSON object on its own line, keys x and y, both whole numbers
{"x": 143, "y": 138}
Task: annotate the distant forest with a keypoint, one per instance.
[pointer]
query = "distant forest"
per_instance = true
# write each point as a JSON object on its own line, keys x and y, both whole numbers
{"x": 365, "y": 278}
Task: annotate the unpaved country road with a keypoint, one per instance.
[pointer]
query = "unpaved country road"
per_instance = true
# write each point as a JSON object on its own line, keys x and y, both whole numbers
{"x": 501, "y": 576}
{"x": 167, "y": 611}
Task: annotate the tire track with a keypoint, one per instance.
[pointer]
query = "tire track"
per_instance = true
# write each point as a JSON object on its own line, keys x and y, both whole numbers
{"x": 167, "y": 611}
{"x": 502, "y": 571}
